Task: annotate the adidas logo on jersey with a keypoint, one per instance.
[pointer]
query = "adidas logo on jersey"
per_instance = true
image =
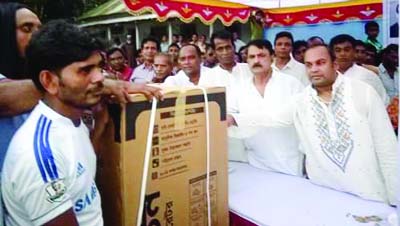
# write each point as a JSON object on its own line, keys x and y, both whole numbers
{"x": 80, "y": 169}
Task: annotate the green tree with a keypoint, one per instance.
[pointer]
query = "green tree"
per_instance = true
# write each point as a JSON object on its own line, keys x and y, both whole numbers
{"x": 65, "y": 9}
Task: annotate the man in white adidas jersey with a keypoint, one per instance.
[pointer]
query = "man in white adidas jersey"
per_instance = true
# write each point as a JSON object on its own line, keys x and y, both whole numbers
{"x": 49, "y": 169}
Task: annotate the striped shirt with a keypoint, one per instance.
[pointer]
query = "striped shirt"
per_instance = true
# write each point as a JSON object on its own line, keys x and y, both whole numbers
{"x": 49, "y": 168}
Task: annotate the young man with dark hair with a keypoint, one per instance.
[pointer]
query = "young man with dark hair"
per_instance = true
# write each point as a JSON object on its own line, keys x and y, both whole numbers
{"x": 371, "y": 29}
{"x": 299, "y": 48}
{"x": 283, "y": 62}
{"x": 265, "y": 89}
{"x": 48, "y": 173}
{"x": 227, "y": 71}
{"x": 173, "y": 51}
{"x": 144, "y": 73}
{"x": 343, "y": 48}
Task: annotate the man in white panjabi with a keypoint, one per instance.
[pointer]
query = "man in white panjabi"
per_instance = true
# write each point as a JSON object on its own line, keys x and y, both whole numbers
{"x": 274, "y": 149}
{"x": 285, "y": 63}
{"x": 192, "y": 72}
{"x": 344, "y": 130}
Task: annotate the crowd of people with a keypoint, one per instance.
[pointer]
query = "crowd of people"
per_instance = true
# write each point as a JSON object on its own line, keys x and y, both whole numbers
{"x": 308, "y": 108}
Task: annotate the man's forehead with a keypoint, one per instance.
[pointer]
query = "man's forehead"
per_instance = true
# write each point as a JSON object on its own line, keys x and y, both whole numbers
{"x": 254, "y": 49}
{"x": 187, "y": 51}
{"x": 343, "y": 44}
{"x": 316, "y": 54}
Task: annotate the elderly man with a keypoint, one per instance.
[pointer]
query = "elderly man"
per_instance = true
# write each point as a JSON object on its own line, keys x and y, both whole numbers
{"x": 266, "y": 90}
{"x": 283, "y": 62}
{"x": 163, "y": 64}
{"x": 344, "y": 130}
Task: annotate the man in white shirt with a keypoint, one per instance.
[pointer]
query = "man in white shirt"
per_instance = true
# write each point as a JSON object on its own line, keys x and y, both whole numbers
{"x": 275, "y": 149}
{"x": 49, "y": 169}
{"x": 343, "y": 48}
{"x": 227, "y": 70}
{"x": 389, "y": 70}
{"x": 191, "y": 71}
{"x": 283, "y": 62}
{"x": 144, "y": 73}
{"x": 344, "y": 130}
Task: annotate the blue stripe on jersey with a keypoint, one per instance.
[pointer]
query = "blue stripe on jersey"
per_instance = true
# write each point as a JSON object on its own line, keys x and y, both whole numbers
{"x": 43, "y": 154}
{"x": 36, "y": 149}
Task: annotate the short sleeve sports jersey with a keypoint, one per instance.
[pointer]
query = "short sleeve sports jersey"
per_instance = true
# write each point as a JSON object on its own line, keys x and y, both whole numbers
{"x": 49, "y": 168}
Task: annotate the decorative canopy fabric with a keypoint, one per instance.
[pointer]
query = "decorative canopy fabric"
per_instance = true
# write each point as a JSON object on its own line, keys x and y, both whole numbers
{"x": 229, "y": 11}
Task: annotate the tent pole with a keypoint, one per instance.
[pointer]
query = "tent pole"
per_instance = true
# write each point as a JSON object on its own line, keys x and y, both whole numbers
{"x": 211, "y": 30}
{"x": 169, "y": 32}
{"x": 137, "y": 35}
{"x": 108, "y": 33}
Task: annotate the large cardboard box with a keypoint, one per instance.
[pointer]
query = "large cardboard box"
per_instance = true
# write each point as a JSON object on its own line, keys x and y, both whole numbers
{"x": 176, "y": 182}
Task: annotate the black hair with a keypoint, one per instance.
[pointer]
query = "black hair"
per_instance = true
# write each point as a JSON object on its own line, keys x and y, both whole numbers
{"x": 262, "y": 44}
{"x": 151, "y": 39}
{"x": 338, "y": 39}
{"x": 297, "y": 44}
{"x": 359, "y": 43}
{"x": 174, "y": 44}
{"x": 198, "y": 51}
{"x": 389, "y": 48}
{"x": 12, "y": 65}
{"x": 242, "y": 48}
{"x": 221, "y": 34}
{"x": 115, "y": 49}
{"x": 330, "y": 51}
{"x": 370, "y": 24}
{"x": 370, "y": 47}
{"x": 284, "y": 34}
{"x": 57, "y": 45}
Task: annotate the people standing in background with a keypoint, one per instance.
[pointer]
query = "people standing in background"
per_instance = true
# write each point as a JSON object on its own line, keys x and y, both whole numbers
{"x": 389, "y": 70}
{"x": 238, "y": 43}
{"x": 360, "y": 56}
{"x": 283, "y": 62}
{"x": 173, "y": 51}
{"x": 119, "y": 67}
{"x": 210, "y": 60}
{"x": 342, "y": 47}
{"x": 299, "y": 48}
{"x": 163, "y": 65}
{"x": 314, "y": 40}
{"x": 243, "y": 54}
{"x": 257, "y": 24}
{"x": 164, "y": 44}
{"x": 129, "y": 49}
{"x": 144, "y": 73}
{"x": 201, "y": 43}
{"x": 371, "y": 29}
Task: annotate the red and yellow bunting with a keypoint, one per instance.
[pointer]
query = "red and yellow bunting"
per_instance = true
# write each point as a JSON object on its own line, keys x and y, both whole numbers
{"x": 227, "y": 12}
{"x": 207, "y": 10}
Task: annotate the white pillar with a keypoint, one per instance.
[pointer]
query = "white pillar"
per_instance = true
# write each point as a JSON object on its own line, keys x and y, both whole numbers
{"x": 137, "y": 35}
{"x": 211, "y": 29}
{"x": 108, "y": 33}
{"x": 169, "y": 32}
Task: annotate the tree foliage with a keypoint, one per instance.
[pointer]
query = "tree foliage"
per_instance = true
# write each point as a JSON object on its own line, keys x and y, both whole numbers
{"x": 66, "y": 9}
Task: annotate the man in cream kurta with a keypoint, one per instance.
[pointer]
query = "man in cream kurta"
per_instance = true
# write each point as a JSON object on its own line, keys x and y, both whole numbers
{"x": 344, "y": 130}
{"x": 275, "y": 149}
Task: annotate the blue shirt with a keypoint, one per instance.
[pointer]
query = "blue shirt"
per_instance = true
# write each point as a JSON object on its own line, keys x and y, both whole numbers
{"x": 8, "y": 126}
